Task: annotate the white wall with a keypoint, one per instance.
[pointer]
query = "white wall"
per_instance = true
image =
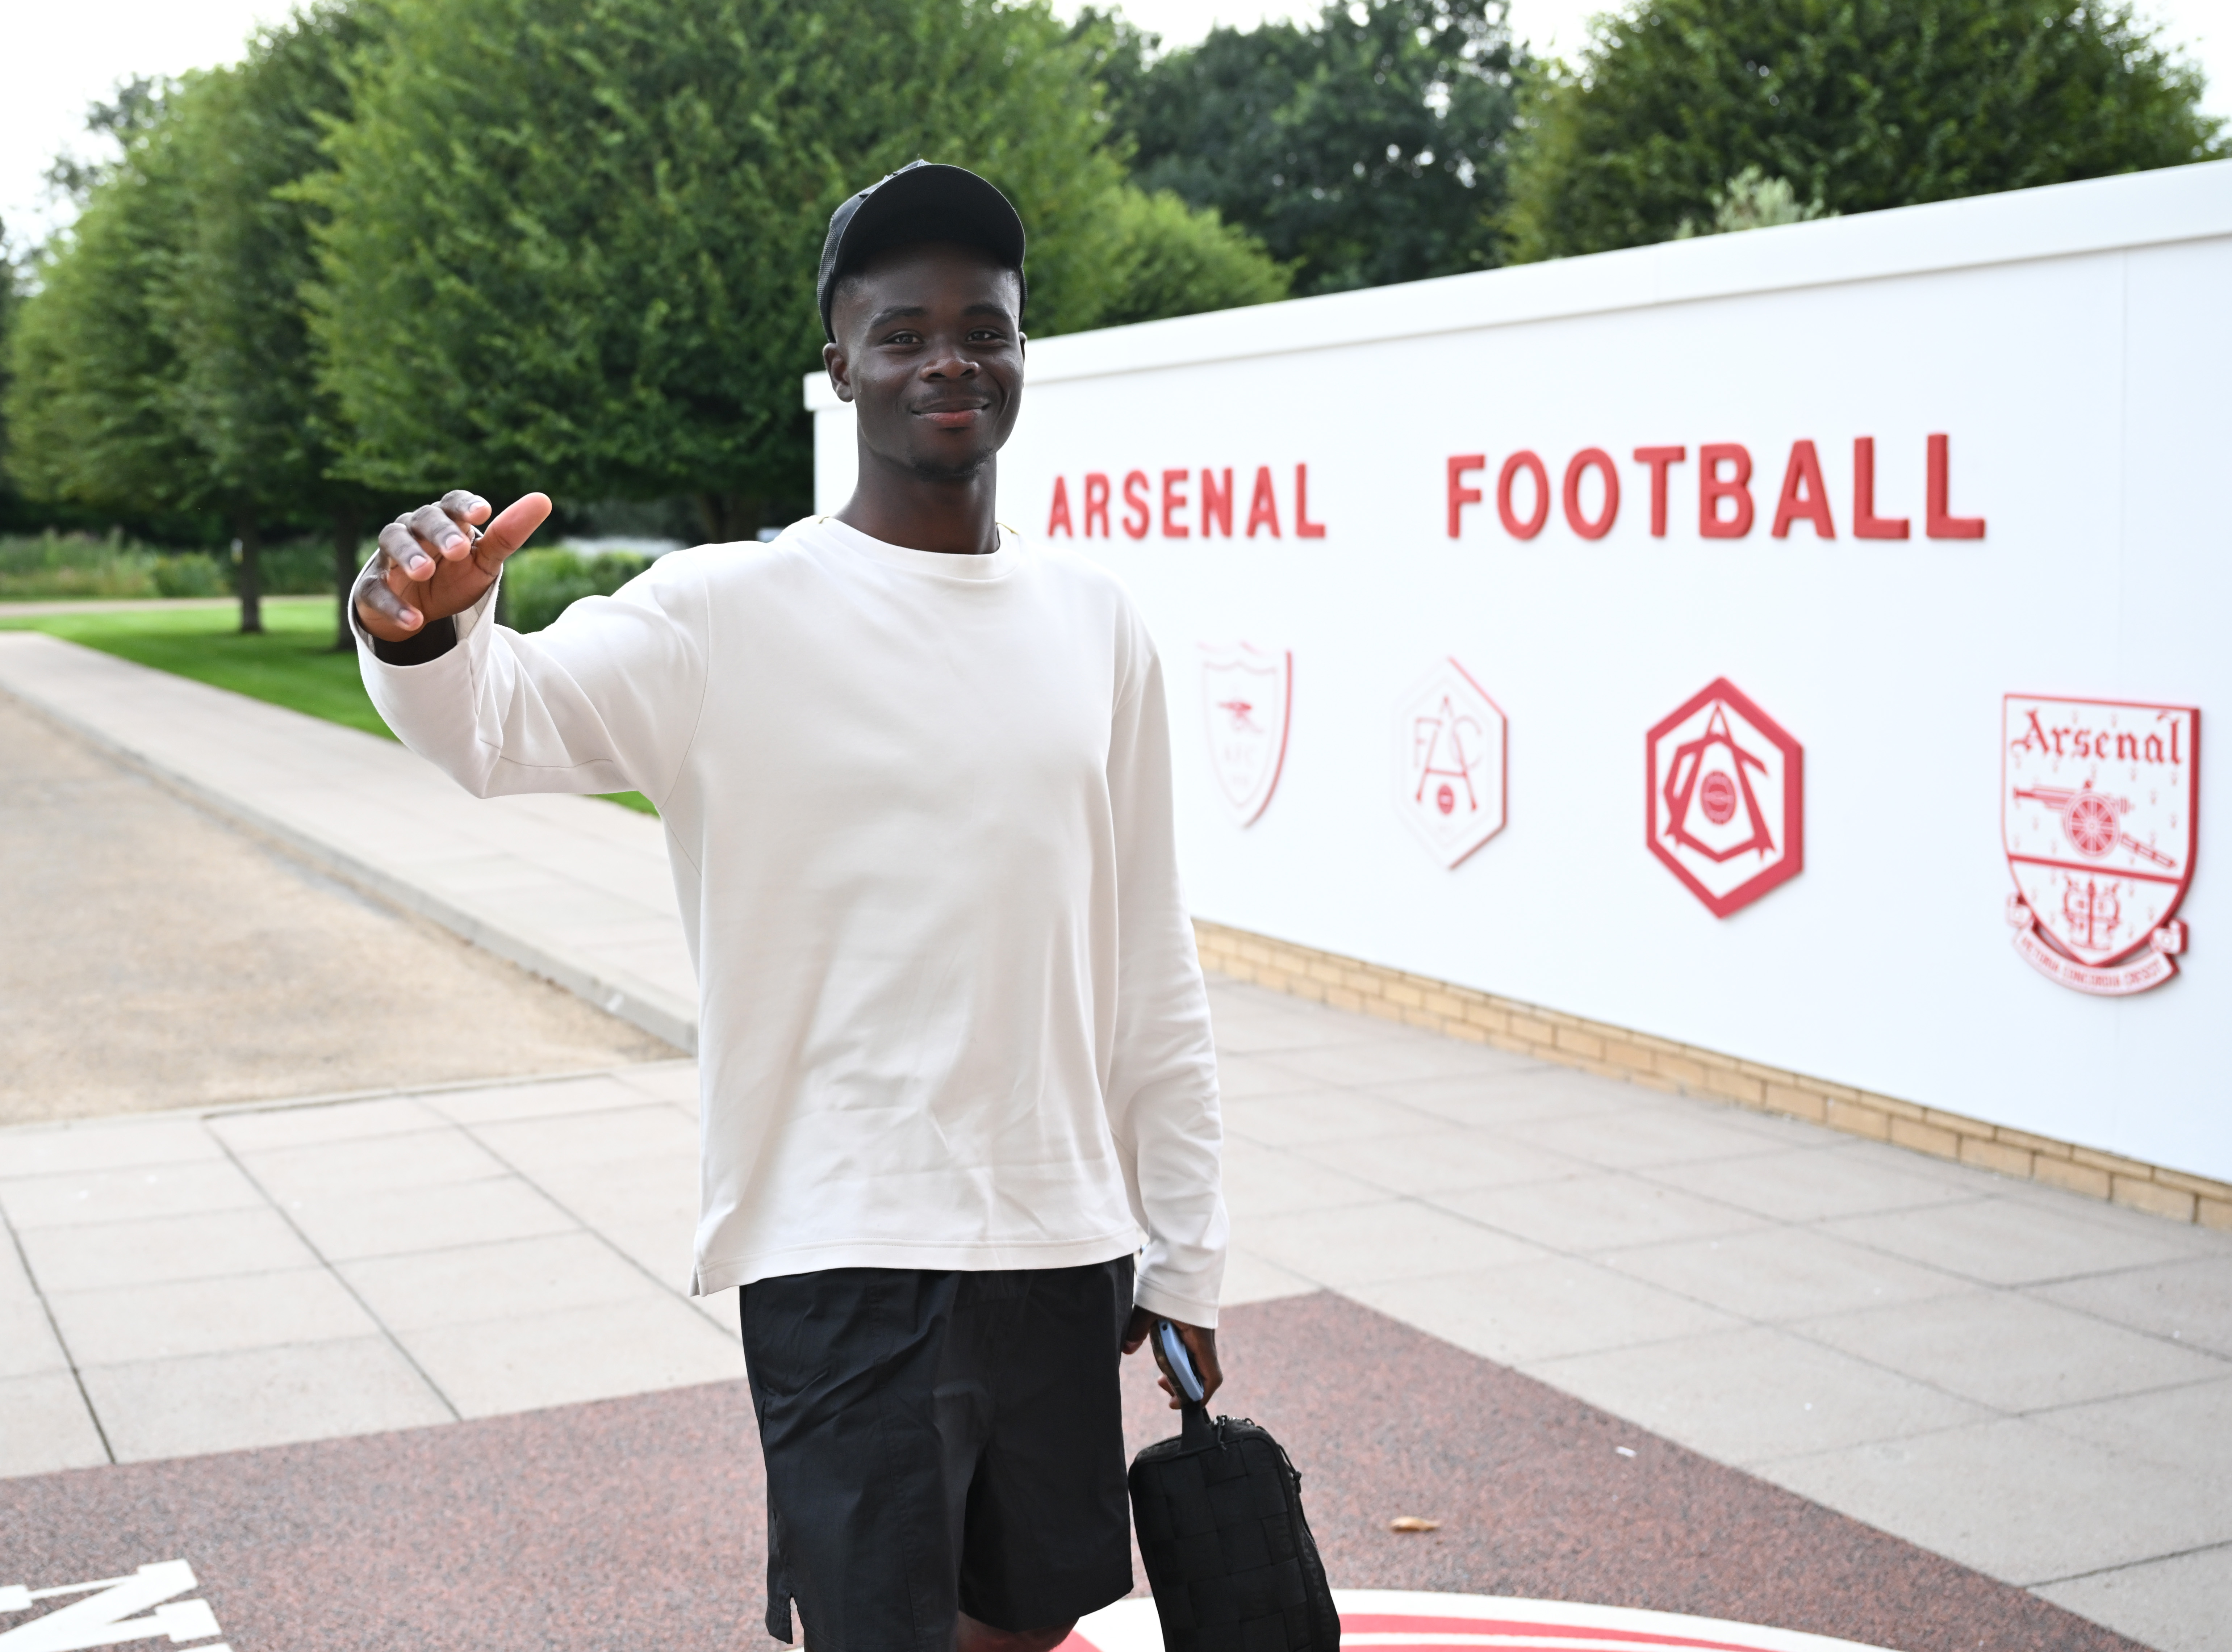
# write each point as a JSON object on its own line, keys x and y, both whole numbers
{"x": 2074, "y": 343}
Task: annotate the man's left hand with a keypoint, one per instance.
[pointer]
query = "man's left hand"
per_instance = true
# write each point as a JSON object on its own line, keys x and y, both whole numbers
{"x": 1200, "y": 1342}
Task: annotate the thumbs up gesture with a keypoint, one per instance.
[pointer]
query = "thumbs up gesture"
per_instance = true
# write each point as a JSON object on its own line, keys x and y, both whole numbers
{"x": 439, "y": 560}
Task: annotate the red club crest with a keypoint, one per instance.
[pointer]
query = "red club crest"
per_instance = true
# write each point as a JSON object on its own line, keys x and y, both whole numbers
{"x": 1727, "y": 807}
{"x": 1246, "y": 696}
{"x": 2096, "y": 815}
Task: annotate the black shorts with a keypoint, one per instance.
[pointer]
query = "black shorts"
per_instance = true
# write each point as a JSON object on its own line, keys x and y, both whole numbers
{"x": 940, "y": 1443}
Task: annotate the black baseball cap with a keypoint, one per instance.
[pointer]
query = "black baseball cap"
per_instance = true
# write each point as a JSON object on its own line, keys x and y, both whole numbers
{"x": 921, "y": 201}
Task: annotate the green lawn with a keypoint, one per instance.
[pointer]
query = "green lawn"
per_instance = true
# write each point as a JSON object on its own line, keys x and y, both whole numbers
{"x": 292, "y": 664}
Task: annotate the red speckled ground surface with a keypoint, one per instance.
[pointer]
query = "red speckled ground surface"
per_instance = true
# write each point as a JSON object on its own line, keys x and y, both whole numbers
{"x": 637, "y": 1525}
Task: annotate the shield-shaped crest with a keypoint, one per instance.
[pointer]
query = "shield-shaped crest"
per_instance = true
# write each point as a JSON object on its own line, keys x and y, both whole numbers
{"x": 1449, "y": 744}
{"x": 1246, "y": 694}
{"x": 2096, "y": 813}
{"x": 1726, "y": 810}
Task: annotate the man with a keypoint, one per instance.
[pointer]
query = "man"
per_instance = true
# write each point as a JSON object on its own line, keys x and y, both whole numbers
{"x": 954, "y": 1044}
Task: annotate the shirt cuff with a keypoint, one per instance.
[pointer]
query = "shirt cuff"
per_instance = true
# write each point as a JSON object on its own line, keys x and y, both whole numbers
{"x": 437, "y": 638}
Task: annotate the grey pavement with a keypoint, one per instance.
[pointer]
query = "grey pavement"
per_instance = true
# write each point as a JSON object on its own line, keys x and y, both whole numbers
{"x": 2034, "y": 1383}
{"x": 2031, "y": 1382}
{"x": 573, "y": 889}
{"x": 157, "y": 956}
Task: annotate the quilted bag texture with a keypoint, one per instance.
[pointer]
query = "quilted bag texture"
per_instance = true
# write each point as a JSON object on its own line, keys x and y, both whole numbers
{"x": 1229, "y": 1555}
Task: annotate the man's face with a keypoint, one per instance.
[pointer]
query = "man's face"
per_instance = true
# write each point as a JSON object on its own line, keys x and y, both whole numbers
{"x": 930, "y": 354}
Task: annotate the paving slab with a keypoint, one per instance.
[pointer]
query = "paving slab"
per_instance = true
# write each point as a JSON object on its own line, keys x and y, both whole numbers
{"x": 1449, "y": 1159}
{"x": 28, "y": 1346}
{"x": 1754, "y": 1393}
{"x": 1816, "y": 1183}
{"x": 209, "y": 1245}
{"x": 2017, "y": 1500}
{"x": 1357, "y": 1246}
{"x": 2180, "y": 1604}
{"x": 345, "y": 1226}
{"x": 559, "y": 1356}
{"x": 1777, "y": 1274}
{"x": 259, "y": 1397}
{"x": 76, "y": 1198}
{"x": 49, "y": 1425}
{"x": 1321, "y": 1116}
{"x": 2188, "y": 1302}
{"x": 2036, "y": 1355}
{"x": 271, "y": 1128}
{"x": 1592, "y": 1213}
{"x": 519, "y": 1278}
{"x": 2024, "y": 1240}
{"x": 2188, "y": 1429}
{"x": 1523, "y": 1313}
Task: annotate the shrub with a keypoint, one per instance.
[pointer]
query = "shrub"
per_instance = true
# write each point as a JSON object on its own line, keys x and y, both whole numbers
{"x": 303, "y": 568}
{"x": 63, "y": 565}
{"x": 539, "y": 586}
{"x": 191, "y": 575}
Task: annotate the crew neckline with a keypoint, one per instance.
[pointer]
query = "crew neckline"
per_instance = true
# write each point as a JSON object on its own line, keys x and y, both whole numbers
{"x": 975, "y": 566}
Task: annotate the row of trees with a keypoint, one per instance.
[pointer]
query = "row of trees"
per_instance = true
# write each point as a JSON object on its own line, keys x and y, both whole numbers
{"x": 1403, "y": 138}
{"x": 569, "y": 243}
{"x": 560, "y": 243}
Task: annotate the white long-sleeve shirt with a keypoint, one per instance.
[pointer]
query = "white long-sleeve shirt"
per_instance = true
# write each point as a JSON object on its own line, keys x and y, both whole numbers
{"x": 917, "y": 807}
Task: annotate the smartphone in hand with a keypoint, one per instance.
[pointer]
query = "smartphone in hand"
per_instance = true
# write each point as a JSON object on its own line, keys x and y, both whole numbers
{"x": 1179, "y": 1361}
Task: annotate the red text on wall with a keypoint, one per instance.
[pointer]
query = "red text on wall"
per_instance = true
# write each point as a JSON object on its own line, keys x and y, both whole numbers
{"x": 1185, "y": 503}
{"x": 1730, "y": 500}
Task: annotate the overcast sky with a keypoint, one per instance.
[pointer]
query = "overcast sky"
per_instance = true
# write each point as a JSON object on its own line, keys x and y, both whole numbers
{"x": 62, "y": 57}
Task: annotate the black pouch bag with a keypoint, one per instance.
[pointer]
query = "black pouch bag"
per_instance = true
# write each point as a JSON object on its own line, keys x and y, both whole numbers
{"x": 1229, "y": 1556}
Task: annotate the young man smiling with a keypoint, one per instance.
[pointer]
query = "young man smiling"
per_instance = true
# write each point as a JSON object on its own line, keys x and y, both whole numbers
{"x": 954, "y": 1044}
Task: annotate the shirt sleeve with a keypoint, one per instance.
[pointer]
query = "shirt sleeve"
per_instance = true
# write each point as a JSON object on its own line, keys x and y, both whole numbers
{"x": 1162, "y": 1085}
{"x": 606, "y": 699}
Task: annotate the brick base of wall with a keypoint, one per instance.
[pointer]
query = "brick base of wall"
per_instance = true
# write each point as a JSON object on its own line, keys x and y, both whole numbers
{"x": 1615, "y": 1052}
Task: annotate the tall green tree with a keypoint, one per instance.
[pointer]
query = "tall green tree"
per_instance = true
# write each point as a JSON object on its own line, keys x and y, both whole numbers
{"x": 1366, "y": 148}
{"x": 572, "y": 243}
{"x": 233, "y": 304}
{"x": 1856, "y": 104}
{"x": 11, "y": 298}
{"x": 93, "y": 399}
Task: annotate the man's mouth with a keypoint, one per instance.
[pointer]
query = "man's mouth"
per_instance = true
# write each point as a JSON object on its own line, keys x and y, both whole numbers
{"x": 953, "y": 416}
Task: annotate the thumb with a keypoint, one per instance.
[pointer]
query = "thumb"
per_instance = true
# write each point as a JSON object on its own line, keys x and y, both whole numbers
{"x": 515, "y": 526}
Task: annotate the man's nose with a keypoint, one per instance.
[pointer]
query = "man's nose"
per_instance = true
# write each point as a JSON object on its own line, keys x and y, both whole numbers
{"x": 950, "y": 364}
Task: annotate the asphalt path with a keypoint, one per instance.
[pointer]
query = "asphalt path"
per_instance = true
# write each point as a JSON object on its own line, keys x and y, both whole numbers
{"x": 152, "y": 956}
{"x": 636, "y": 1523}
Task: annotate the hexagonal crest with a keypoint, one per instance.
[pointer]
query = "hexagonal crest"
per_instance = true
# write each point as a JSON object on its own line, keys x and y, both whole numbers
{"x": 1450, "y": 742}
{"x": 1726, "y": 808}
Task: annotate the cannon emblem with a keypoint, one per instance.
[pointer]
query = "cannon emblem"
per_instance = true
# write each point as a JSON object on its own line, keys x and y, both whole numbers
{"x": 2096, "y": 820}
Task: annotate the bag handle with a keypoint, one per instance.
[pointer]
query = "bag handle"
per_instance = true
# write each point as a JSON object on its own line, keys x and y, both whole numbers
{"x": 1194, "y": 1428}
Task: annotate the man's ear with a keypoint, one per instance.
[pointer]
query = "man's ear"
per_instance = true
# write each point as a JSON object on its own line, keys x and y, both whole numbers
{"x": 839, "y": 371}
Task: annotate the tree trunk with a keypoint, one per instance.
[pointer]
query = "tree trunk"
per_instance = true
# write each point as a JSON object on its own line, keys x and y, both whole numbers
{"x": 344, "y": 544}
{"x": 249, "y": 537}
{"x": 730, "y": 516}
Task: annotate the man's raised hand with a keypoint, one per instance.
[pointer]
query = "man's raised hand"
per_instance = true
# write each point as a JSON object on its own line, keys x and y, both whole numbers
{"x": 432, "y": 564}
